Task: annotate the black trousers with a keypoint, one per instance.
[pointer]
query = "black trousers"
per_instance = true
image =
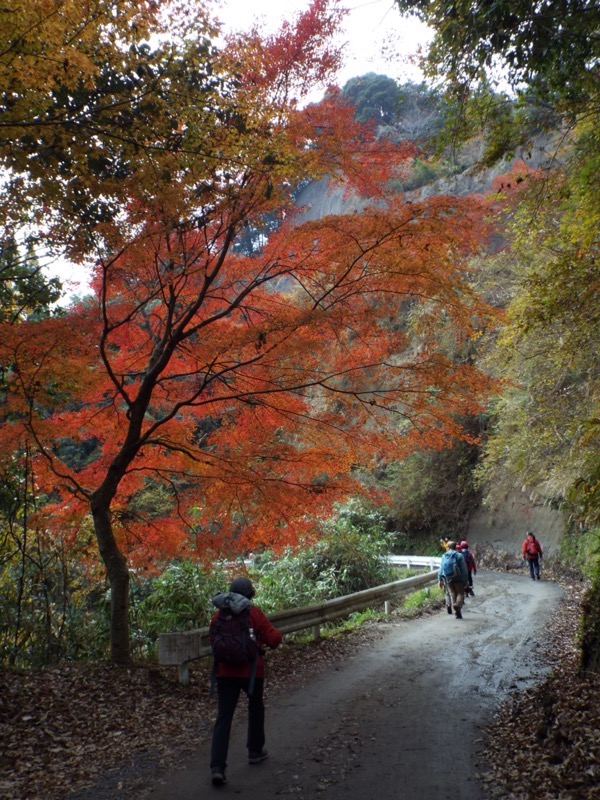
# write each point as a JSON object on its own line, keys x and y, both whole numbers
{"x": 228, "y": 693}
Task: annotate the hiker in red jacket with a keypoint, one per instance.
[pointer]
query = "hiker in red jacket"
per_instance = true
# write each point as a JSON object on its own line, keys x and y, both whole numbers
{"x": 232, "y": 678}
{"x": 471, "y": 567}
{"x": 532, "y": 553}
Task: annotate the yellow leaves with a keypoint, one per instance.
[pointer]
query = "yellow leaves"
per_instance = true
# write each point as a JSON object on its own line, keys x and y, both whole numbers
{"x": 49, "y": 43}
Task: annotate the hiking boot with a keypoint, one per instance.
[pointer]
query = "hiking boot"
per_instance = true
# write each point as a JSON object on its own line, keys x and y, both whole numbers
{"x": 449, "y": 609}
{"x": 458, "y": 614}
{"x": 256, "y": 758}
{"x": 218, "y": 777}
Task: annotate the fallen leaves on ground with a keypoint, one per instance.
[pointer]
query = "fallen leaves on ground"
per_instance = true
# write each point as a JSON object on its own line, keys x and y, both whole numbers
{"x": 66, "y": 728}
{"x": 545, "y": 742}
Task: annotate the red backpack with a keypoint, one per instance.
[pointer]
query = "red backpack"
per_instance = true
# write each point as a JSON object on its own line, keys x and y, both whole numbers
{"x": 531, "y": 547}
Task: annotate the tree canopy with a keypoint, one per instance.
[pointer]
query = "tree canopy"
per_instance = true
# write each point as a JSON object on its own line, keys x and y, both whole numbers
{"x": 549, "y": 53}
{"x": 547, "y": 429}
{"x": 249, "y": 390}
{"x": 106, "y": 105}
{"x": 374, "y": 97}
{"x": 550, "y": 47}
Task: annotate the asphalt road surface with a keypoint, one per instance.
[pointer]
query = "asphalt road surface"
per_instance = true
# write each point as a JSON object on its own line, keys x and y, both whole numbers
{"x": 403, "y": 718}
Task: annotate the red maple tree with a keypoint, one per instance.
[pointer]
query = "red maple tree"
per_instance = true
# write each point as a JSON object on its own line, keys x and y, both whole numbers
{"x": 251, "y": 389}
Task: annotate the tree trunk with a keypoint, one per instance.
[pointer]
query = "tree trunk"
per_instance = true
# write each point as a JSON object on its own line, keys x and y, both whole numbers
{"x": 118, "y": 578}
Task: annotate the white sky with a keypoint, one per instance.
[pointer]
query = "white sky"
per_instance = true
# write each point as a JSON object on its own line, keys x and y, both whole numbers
{"x": 376, "y": 38}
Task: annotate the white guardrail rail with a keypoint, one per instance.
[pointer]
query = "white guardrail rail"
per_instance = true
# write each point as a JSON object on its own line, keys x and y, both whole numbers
{"x": 178, "y": 649}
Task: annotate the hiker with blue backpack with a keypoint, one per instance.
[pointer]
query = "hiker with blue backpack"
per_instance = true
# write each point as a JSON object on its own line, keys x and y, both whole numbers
{"x": 453, "y": 577}
{"x": 238, "y": 632}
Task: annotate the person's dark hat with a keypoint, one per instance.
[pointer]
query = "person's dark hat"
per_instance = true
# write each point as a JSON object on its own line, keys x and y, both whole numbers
{"x": 242, "y": 586}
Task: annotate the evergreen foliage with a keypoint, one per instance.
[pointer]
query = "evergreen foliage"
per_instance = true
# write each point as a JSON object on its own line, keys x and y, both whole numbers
{"x": 25, "y": 292}
{"x": 176, "y": 600}
{"x": 551, "y": 48}
{"x": 347, "y": 556}
{"x": 376, "y": 98}
{"x": 433, "y": 494}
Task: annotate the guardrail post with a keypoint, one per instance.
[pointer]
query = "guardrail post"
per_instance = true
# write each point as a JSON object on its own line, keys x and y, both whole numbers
{"x": 316, "y": 629}
{"x": 386, "y": 607}
{"x": 184, "y": 673}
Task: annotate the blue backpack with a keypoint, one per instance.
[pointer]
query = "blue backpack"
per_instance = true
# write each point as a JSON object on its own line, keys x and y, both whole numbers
{"x": 450, "y": 568}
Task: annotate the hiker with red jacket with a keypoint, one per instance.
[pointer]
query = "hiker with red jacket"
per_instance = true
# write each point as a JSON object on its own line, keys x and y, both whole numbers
{"x": 471, "y": 565}
{"x": 532, "y": 553}
{"x": 234, "y": 675}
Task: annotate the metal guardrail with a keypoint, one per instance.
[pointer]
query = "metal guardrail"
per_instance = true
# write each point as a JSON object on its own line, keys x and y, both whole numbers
{"x": 178, "y": 649}
{"x": 433, "y": 562}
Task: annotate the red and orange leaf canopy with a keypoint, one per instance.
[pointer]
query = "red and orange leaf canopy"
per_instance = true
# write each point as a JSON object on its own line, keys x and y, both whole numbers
{"x": 252, "y": 389}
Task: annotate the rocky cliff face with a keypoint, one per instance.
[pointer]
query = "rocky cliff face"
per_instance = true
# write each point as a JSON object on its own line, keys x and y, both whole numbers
{"x": 321, "y": 198}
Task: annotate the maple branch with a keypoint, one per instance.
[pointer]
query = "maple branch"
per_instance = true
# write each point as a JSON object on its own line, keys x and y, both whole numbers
{"x": 67, "y": 477}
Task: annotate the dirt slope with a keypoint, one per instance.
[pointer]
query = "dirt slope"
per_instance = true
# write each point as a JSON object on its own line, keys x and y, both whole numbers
{"x": 504, "y": 527}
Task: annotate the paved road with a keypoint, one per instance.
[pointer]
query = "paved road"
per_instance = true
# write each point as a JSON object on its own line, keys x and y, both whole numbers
{"x": 403, "y": 718}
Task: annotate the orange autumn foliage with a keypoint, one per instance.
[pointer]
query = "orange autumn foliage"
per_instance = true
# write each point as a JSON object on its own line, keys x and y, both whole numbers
{"x": 250, "y": 390}
{"x": 252, "y": 386}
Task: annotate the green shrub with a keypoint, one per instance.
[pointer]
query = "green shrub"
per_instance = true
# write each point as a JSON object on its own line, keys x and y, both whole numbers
{"x": 348, "y": 557}
{"x": 177, "y": 600}
{"x": 49, "y": 608}
{"x": 580, "y": 550}
{"x": 281, "y": 583}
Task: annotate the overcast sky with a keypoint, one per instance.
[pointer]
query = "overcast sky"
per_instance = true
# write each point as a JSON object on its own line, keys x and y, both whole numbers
{"x": 376, "y": 38}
